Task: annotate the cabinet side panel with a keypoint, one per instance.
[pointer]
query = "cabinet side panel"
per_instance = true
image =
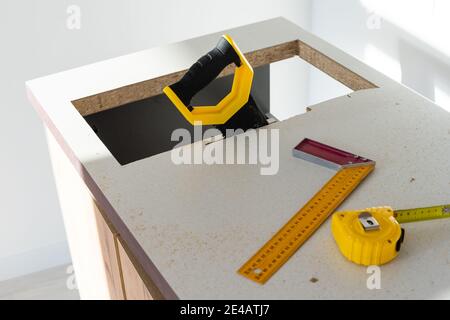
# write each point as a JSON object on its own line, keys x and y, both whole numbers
{"x": 79, "y": 214}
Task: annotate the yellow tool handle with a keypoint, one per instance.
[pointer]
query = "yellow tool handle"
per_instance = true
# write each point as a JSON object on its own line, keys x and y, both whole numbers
{"x": 203, "y": 72}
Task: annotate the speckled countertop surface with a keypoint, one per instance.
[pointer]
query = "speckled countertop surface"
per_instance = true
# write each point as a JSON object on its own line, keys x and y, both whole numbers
{"x": 198, "y": 224}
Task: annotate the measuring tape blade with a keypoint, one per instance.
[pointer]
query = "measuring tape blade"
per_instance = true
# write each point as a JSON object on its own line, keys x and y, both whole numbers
{"x": 422, "y": 214}
{"x": 303, "y": 224}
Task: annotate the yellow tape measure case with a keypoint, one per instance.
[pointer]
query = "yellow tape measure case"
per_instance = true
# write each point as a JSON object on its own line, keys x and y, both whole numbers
{"x": 368, "y": 237}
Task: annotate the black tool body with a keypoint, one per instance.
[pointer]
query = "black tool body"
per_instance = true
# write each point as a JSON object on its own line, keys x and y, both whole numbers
{"x": 203, "y": 72}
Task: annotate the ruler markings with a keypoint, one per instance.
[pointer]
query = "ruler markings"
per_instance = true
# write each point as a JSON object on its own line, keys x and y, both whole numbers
{"x": 302, "y": 225}
{"x": 422, "y": 214}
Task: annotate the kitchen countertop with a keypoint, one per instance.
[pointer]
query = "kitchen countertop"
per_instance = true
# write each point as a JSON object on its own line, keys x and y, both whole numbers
{"x": 193, "y": 226}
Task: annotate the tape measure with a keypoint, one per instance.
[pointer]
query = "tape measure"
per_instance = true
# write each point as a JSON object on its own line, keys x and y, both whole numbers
{"x": 373, "y": 236}
{"x": 368, "y": 237}
{"x": 352, "y": 170}
{"x": 422, "y": 214}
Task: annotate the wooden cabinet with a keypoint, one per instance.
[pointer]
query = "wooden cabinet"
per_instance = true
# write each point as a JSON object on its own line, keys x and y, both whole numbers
{"x": 103, "y": 268}
{"x": 111, "y": 261}
{"x": 123, "y": 280}
{"x": 134, "y": 286}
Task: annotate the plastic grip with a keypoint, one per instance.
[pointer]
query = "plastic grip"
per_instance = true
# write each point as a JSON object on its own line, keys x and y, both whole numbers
{"x": 205, "y": 70}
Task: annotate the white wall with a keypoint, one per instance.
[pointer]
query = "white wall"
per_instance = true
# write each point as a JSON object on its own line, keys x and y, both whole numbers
{"x": 405, "y": 39}
{"x": 36, "y": 42}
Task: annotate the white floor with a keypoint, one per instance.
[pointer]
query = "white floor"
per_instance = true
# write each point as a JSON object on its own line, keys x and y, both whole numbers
{"x": 50, "y": 284}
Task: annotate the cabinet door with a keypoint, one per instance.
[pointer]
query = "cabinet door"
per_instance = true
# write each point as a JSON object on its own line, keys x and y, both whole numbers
{"x": 108, "y": 243}
{"x": 134, "y": 286}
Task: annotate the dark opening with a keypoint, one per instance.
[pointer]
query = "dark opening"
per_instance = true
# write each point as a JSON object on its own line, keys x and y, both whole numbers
{"x": 143, "y": 128}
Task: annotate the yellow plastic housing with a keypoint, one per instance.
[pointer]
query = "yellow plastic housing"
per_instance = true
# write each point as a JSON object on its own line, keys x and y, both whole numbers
{"x": 229, "y": 105}
{"x": 363, "y": 247}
